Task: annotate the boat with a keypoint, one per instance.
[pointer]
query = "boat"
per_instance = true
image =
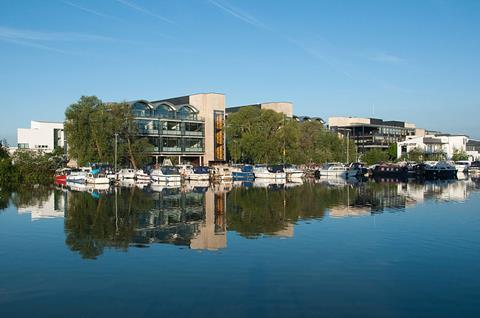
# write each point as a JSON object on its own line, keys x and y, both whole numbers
{"x": 61, "y": 175}
{"x": 334, "y": 169}
{"x": 200, "y": 173}
{"x": 462, "y": 166}
{"x": 142, "y": 176}
{"x": 97, "y": 178}
{"x": 243, "y": 173}
{"x": 78, "y": 176}
{"x": 221, "y": 173}
{"x": 474, "y": 167}
{"x": 269, "y": 172}
{"x": 126, "y": 174}
{"x": 390, "y": 172}
{"x": 166, "y": 174}
{"x": 293, "y": 172}
{"x": 357, "y": 169}
{"x": 440, "y": 170}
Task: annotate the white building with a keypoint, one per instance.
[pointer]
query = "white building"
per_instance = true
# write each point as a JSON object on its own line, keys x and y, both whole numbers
{"x": 434, "y": 144}
{"x": 41, "y": 136}
{"x": 473, "y": 150}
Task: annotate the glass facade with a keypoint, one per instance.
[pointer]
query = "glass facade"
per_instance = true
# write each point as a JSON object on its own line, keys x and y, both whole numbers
{"x": 169, "y": 129}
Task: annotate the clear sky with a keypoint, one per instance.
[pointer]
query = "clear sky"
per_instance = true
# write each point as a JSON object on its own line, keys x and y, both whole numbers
{"x": 416, "y": 61}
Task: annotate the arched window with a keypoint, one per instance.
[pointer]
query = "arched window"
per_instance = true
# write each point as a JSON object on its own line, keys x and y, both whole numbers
{"x": 164, "y": 110}
{"x": 187, "y": 112}
{"x": 140, "y": 109}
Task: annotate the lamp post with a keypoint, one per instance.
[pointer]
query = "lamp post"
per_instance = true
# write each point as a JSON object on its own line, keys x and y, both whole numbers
{"x": 116, "y": 140}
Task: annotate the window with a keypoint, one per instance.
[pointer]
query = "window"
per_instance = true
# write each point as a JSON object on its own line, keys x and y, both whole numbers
{"x": 23, "y": 146}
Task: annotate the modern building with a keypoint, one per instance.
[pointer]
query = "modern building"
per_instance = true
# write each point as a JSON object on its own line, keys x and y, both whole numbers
{"x": 279, "y": 107}
{"x": 41, "y": 136}
{"x": 444, "y": 144}
{"x": 373, "y": 133}
{"x": 191, "y": 127}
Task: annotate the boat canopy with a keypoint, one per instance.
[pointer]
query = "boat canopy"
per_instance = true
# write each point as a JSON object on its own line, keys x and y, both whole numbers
{"x": 247, "y": 168}
{"x": 200, "y": 170}
{"x": 275, "y": 169}
{"x": 170, "y": 170}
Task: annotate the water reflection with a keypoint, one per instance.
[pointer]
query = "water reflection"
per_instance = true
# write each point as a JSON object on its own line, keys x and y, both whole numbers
{"x": 198, "y": 215}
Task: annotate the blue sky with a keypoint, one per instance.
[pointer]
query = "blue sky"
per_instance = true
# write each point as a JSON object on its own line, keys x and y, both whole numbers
{"x": 406, "y": 60}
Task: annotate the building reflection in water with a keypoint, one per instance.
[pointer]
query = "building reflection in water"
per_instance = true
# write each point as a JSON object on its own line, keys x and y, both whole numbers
{"x": 198, "y": 215}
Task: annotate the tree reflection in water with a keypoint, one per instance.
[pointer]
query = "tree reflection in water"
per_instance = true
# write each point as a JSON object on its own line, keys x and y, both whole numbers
{"x": 198, "y": 217}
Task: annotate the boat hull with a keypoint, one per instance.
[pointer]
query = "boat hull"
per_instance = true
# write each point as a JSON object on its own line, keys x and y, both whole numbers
{"x": 166, "y": 178}
{"x": 269, "y": 175}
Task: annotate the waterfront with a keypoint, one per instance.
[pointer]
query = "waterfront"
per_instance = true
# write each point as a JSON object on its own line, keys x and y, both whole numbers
{"x": 328, "y": 248}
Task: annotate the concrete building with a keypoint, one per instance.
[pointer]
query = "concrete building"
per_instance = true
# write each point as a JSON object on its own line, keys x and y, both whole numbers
{"x": 445, "y": 144}
{"x": 191, "y": 127}
{"x": 279, "y": 107}
{"x": 373, "y": 133}
{"x": 41, "y": 136}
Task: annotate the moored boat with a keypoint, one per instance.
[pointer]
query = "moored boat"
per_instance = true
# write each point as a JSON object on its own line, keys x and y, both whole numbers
{"x": 390, "y": 171}
{"x": 142, "y": 176}
{"x": 440, "y": 170}
{"x": 61, "y": 175}
{"x": 333, "y": 169}
{"x": 126, "y": 174}
{"x": 243, "y": 173}
{"x": 474, "y": 168}
{"x": 77, "y": 176}
{"x": 166, "y": 174}
{"x": 200, "y": 173}
{"x": 97, "y": 178}
{"x": 269, "y": 172}
{"x": 221, "y": 173}
{"x": 293, "y": 172}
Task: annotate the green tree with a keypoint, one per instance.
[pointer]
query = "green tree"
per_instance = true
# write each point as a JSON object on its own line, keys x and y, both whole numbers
{"x": 416, "y": 154}
{"x": 374, "y": 156}
{"x": 392, "y": 152}
{"x": 459, "y": 155}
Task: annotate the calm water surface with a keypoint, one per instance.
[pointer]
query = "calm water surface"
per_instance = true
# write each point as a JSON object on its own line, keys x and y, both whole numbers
{"x": 314, "y": 249}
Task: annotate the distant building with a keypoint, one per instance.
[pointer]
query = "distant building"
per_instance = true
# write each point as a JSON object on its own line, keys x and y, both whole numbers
{"x": 41, "y": 136}
{"x": 188, "y": 127}
{"x": 279, "y": 107}
{"x": 445, "y": 144}
{"x": 473, "y": 149}
{"x": 373, "y": 133}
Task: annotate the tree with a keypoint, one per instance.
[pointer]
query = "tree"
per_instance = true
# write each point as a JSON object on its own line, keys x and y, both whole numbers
{"x": 392, "y": 152}
{"x": 374, "y": 156}
{"x": 459, "y": 155}
{"x": 91, "y": 127}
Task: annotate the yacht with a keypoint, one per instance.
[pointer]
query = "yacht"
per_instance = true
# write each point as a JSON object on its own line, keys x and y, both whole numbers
{"x": 440, "y": 170}
{"x": 98, "y": 178}
{"x": 474, "y": 167}
{"x": 293, "y": 172}
{"x": 269, "y": 172}
{"x": 142, "y": 176}
{"x": 222, "y": 173}
{"x": 243, "y": 173}
{"x": 332, "y": 169}
{"x": 77, "y": 176}
{"x": 462, "y": 166}
{"x": 166, "y": 174}
{"x": 126, "y": 174}
{"x": 197, "y": 173}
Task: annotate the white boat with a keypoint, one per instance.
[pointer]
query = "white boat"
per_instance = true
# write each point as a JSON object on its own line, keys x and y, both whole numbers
{"x": 126, "y": 174}
{"x": 98, "y": 178}
{"x": 197, "y": 174}
{"x": 462, "y": 166}
{"x": 222, "y": 173}
{"x": 269, "y": 172}
{"x": 334, "y": 169}
{"x": 77, "y": 176}
{"x": 160, "y": 187}
{"x": 293, "y": 173}
{"x": 166, "y": 174}
{"x": 142, "y": 176}
{"x": 474, "y": 168}
{"x": 184, "y": 169}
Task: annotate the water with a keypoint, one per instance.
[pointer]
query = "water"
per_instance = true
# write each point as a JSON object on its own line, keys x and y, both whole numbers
{"x": 314, "y": 249}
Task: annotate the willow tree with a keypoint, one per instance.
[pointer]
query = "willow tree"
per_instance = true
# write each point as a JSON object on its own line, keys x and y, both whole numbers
{"x": 91, "y": 127}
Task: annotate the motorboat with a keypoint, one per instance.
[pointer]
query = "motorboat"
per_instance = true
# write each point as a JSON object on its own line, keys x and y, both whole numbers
{"x": 197, "y": 173}
{"x": 97, "y": 178}
{"x": 166, "y": 174}
{"x": 474, "y": 167}
{"x": 462, "y": 166}
{"x": 142, "y": 176}
{"x": 221, "y": 173}
{"x": 439, "y": 170}
{"x": 269, "y": 172}
{"x": 126, "y": 174}
{"x": 61, "y": 175}
{"x": 334, "y": 169}
{"x": 243, "y": 173}
{"x": 293, "y": 172}
{"x": 184, "y": 169}
{"x": 78, "y": 176}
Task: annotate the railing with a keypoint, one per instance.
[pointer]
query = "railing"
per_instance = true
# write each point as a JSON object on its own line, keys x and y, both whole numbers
{"x": 193, "y": 133}
{"x": 175, "y": 116}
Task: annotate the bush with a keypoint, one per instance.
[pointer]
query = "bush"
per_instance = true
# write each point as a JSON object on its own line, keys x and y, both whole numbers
{"x": 374, "y": 156}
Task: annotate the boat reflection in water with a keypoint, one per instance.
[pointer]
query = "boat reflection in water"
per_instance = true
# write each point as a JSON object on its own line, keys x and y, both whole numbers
{"x": 198, "y": 215}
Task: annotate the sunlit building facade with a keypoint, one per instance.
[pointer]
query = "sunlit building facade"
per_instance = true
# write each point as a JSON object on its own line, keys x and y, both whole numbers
{"x": 191, "y": 127}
